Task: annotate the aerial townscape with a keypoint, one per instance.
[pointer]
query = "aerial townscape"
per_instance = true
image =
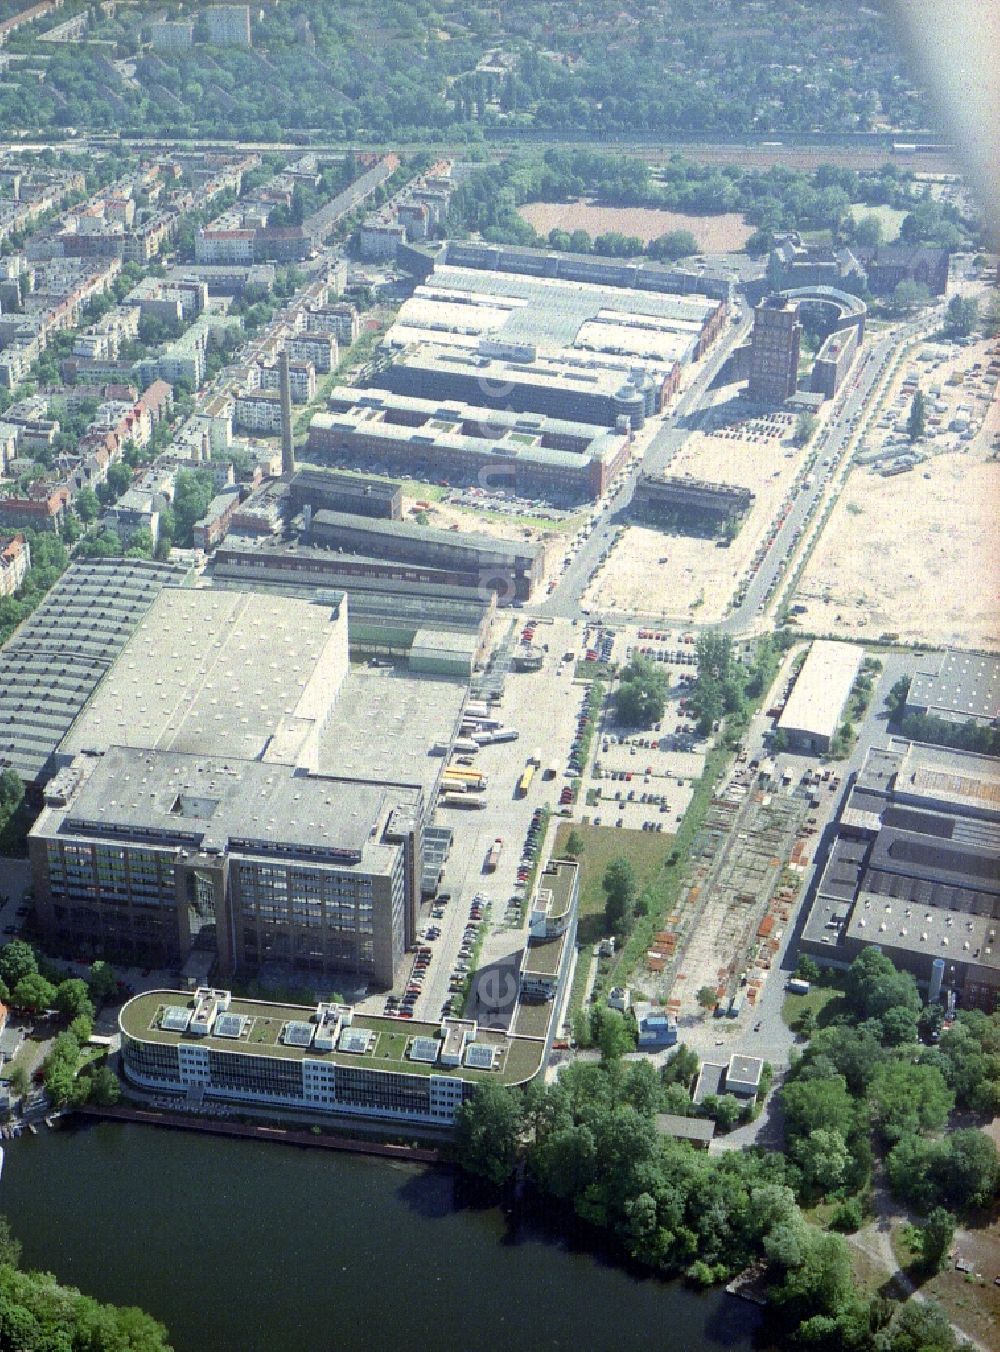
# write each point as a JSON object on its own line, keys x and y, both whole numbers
{"x": 499, "y": 679}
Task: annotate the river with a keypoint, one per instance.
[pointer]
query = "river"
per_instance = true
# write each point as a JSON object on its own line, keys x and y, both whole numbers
{"x": 244, "y": 1246}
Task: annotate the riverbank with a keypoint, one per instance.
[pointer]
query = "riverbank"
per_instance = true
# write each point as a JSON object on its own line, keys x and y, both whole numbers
{"x": 263, "y": 1132}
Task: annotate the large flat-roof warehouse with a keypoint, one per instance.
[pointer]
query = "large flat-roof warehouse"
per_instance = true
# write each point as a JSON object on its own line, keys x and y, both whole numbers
{"x": 232, "y": 787}
{"x": 812, "y": 715}
{"x": 957, "y": 686}
{"x": 222, "y": 673}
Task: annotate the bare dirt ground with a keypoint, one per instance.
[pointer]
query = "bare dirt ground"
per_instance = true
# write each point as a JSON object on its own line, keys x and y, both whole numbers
{"x": 651, "y": 573}
{"x": 917, "y": 554}
{"x": 715, "y": 234}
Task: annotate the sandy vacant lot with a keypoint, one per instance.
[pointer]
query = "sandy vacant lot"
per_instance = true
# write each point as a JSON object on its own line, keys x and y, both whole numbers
{"x": 715, "y": 234}
{"x": 917, "y": 554}
{"x": 651, "y": 573}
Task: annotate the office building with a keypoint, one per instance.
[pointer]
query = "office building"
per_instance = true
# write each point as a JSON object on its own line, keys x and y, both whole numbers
{"x": 228, "y": 25}
{"x": 774, "y": 351}
{"x": 327, "y": 1060}
{"x": 15, "y": 560}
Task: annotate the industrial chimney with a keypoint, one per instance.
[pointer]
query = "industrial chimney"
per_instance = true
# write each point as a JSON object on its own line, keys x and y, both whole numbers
{"x": 287, "y": 445}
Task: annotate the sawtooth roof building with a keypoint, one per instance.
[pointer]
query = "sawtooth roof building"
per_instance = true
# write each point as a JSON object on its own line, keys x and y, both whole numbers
{"x": 53, "y": 662}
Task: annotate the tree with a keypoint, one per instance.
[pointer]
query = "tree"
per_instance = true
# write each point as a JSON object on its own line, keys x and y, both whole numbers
{"x": 936, "y": 1236}
{"x": 673, "y": 245}
{"x": 11, "y": 799}
{"x": 805, "y": 427}
{"x": 897, "y": 696}
{"x": 707, "y": 997}
{"x": 909, "y": 295}
{"x": 73, "y": 999}
{"x": 573, "y": 847}
{"x": 723, "y": 1109}
{"x": 487, "y": 1133}
{"x": 119, "y": 479}
{"x": 899, "y": 1026}
{"x": 34, "y": 992}
{"x": 612, "y": 1033}
{"x": 19, "y": 1082}
{"x": 17, "y": 960}
{"x": 105, "y": 1087}
{"x": 102, "y": 982}
{"x": 642, "y": 694}
{"x": 916, "y": 423}
{"x": 868, "y": 231}
{"x": 823, "y": 1157}
{"x": 87, "y": 505}
{"x": 619, "y": 889}
{"x": 961, "y": 316}
{"x": 907, "y": 1098}
{"x": 874, "y": 985}
{"x": 811, "y": 1104}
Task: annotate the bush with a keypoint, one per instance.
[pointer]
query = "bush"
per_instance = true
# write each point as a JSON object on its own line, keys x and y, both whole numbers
{"x": 847, "y": 1218}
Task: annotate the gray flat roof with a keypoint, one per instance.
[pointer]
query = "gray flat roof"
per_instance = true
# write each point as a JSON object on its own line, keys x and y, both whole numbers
{"x": 205, "y": 803}
{"x": 960, "y": 686}
{"x": 384, "y": 725}
{"x": 685, "y": 1128}
{"x": 220, "y": 673}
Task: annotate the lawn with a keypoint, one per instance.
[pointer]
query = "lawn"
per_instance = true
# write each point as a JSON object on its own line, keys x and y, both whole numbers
{"x": 645, "y": 851}
{"x": 824, "y": 1001}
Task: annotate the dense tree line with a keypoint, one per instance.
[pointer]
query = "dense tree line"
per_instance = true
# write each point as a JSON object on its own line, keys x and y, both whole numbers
{"x": 37, "y": 1314}
{"x": 387, "y": 68}
{"x": 772, "y": 200}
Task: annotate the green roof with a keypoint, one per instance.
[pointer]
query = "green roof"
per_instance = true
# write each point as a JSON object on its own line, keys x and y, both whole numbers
{"x": 140, "y": 1018}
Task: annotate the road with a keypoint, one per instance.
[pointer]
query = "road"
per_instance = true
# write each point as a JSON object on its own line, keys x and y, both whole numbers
{"x": 565, "y": 600}
{"x": 853, "y": 410}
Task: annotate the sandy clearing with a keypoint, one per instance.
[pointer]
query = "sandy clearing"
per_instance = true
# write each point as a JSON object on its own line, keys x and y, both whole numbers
{"x": 655, "y": 574}
{"x": 715, "y": 234}
{"x": 917, "y": 554}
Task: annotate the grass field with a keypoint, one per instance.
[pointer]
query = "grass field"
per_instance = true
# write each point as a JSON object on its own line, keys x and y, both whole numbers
{"x": 891, "y": 218}
{"x": 645, "y": 851}
{"x": 824, "y": 1001}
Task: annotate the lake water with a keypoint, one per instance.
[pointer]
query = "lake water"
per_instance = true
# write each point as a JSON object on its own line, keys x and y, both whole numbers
{"x": 243, "y": 1246}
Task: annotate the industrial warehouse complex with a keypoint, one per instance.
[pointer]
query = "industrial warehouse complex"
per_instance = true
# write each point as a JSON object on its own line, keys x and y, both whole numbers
{"x": 212, "y": 801}
{"x": 914, "y": 869}
{"x": 528, "y": 454}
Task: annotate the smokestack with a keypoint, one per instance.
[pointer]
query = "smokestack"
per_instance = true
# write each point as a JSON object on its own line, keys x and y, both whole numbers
{"x": 287, "y": 446}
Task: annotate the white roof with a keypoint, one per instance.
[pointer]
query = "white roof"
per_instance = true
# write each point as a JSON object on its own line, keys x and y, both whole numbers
{"x": 821, "y": 690}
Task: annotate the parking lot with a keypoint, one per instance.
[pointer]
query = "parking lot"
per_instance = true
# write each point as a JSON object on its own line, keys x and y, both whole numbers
{"x": 543, "y": 707}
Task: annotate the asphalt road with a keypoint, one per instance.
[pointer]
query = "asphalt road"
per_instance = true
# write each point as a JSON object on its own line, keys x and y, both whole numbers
{"x": 565, "y": 600}
{"x": 834, "y": 443}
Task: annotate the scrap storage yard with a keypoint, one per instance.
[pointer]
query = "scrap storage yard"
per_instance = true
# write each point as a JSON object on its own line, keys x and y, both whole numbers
{"x": 652, "y": 573}
{"x": 915, "y": 553}
{"x": 743, "y": 879}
